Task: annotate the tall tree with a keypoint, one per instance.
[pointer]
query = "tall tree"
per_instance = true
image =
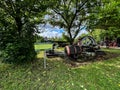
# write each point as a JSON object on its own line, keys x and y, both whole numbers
{"x": 72, "y": 15}
{"x": 108, "y": 15}
{"x": 18, "y": 21}
{"x": 107, "y": 18}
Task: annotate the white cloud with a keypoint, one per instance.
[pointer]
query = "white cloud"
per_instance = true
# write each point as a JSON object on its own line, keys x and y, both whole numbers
{"x": 50, "y": 34}
{"x": 50, "y": 31}
{"x": 56, "y": 33}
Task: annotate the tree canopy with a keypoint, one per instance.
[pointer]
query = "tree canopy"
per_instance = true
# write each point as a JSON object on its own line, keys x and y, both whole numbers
{"x": 18, "y": 22}
{"x": 72, "y": 15}
{"x": 108, "y": 15}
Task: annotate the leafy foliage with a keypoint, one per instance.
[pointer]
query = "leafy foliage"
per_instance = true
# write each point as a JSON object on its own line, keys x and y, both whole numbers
{"x": 39, "y": 39}
{"x": 18, "y": 22}
{"x": 19, "y": 52}
{"x": 107, "y": 19}
{"x": 108, "y": 15}
{"x": 72, "y": 15}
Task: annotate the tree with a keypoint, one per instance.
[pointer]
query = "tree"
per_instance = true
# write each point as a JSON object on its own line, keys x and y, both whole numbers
{"x": 107, "y": 19}
{"x": 112, "y": 33}
{"x": 18, "y": 21}
{"x": 72, "y": 15}
{"x": 109, "y": 15}
{"x": 97, "y": 34}
{"x": 39, "y": 39}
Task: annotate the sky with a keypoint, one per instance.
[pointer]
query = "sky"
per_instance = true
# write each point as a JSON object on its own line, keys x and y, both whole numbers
{"x": 50, "y": 31}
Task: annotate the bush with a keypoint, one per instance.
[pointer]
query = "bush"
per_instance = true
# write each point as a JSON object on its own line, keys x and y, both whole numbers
{"x": 20, "y": 51}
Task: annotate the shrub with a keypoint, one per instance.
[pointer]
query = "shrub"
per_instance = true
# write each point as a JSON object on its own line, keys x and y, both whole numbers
{"x": 20, "y": 51}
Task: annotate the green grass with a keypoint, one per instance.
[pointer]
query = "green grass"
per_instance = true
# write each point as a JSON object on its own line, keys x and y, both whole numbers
{"x": 112, "y": 50}
{"x": 43, "y": 46}
{"x": 101, "y": 75}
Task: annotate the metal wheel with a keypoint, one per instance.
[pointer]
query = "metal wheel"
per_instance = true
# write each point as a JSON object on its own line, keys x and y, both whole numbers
{"x": 87, "y": 41}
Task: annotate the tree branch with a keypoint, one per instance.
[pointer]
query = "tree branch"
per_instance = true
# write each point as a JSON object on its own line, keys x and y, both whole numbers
{"x": 78, "y": 30}
{"x": 61, "y": 16}
{"x": 77, "y": 10}
{"x": 69, "y": 3}
{"x": 12, "y": 7}
{"x": 82, "y": 5}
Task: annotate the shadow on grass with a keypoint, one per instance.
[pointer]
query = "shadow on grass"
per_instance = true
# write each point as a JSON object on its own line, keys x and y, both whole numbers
{"x": 110, "y": 54}
{"x": 52, "y": 62}
{"x": 81, "y": 61}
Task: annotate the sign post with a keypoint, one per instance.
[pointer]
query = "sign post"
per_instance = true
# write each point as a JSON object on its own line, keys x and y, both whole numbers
{"x": 45, "y": 60}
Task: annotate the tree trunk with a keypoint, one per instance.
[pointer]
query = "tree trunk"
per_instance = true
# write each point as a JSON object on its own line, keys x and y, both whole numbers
{"x": 18, "y": 25}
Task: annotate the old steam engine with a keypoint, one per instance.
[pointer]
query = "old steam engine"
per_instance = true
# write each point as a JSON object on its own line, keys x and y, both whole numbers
{"x": 89, "y": 49}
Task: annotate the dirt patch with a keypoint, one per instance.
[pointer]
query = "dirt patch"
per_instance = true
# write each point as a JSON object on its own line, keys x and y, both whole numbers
{"x": 108, "y": 56}
{"x": 80, "y": 62}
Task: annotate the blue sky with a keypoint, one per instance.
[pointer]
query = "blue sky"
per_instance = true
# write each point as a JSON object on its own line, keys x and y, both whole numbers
{"x": 50, "y": 31}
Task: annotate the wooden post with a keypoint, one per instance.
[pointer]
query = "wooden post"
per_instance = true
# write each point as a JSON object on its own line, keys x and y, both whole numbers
{"x": 45, "y": 60}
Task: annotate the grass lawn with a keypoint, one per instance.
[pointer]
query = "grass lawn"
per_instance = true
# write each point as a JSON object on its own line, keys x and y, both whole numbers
{"x": 43, "y": 46}
{"x": 100, "y": 75}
